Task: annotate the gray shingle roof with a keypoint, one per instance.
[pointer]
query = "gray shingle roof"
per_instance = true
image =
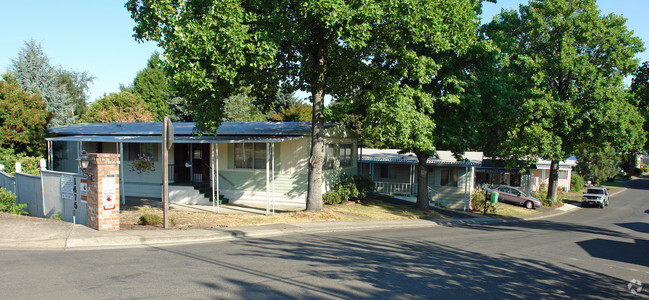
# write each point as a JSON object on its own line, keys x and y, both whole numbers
{"x": 185, "y": 129}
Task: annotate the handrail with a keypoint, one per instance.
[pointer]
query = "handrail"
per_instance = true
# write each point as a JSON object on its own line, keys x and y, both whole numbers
{"x": 433, "y": 195}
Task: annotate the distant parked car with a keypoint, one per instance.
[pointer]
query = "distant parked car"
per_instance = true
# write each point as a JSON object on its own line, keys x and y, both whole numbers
{"x": 595, "y": 196}
{"x": 512, "y": 195}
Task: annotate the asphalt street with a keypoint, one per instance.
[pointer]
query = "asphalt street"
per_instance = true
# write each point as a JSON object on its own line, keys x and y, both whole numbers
{"x": 586, "y": 253}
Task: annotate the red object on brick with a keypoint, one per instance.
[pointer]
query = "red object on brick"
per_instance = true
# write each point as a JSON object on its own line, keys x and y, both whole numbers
{"x": 103, "y": 183}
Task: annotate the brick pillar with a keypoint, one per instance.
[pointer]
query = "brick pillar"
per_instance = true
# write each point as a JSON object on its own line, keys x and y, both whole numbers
{"x": 103, "y": 191}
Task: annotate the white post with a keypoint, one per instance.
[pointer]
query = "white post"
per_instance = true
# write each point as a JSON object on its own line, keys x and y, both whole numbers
{"x": 216, "y": 167}
{"x": 2, "y": 167}
{"x": 272, "y": 147}
{"x": 466, "y": 184}
{"x": 267, "y": 179}
{"x": 49, "y": 155}
{"x": 214, "y": 200}
{"x": 122, "y": 193}
{"x": 18, "y": 167}
{"x": 43, "y": 164}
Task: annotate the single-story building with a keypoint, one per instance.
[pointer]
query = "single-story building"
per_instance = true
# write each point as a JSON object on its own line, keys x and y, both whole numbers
{"x": 248, "y": 162}
{"x": 531, "y": 179}
{"x": 450, "y": 181}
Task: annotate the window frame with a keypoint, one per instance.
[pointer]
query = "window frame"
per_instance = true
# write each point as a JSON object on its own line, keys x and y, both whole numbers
{"x": 250, "y": 161}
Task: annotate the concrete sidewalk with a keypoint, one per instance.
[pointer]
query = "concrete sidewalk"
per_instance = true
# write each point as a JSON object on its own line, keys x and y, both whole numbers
{"x": 38, "y": 233}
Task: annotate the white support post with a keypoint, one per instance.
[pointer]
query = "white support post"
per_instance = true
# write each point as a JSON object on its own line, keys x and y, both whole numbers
{"x": 79, "y": 149}
{"x": 122, "y": 193}
{"x": 272, "y": 147}
{"x": 216, "y": 167}
{"x": 267, "y": 179}
{"x": 466, "y": 184}
{"x": 49, "y": 155}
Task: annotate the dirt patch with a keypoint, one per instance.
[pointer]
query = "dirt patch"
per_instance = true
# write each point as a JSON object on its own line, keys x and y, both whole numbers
{"x": 365, "y": 210}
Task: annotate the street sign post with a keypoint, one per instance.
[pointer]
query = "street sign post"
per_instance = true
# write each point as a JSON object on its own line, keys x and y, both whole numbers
{"x": 167, "y": 142}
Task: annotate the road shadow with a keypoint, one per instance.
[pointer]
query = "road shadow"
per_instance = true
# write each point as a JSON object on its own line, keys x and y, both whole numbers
{"x": 640, "y": 183}
{"x": 359, "y": 266}
{"x": 618, "y": 250}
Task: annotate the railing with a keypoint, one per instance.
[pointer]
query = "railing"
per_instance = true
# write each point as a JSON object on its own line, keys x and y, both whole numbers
{"x": 393, "y": 188}
{"x": 171, "y": 175}
{"x": 433, "y": 196}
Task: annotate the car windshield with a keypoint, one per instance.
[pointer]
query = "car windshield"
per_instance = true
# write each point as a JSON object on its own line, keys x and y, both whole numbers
{"x": 595, "y": 191}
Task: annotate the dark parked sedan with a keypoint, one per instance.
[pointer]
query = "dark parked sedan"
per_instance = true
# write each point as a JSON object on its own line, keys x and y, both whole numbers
{"x": 512, "y": 195}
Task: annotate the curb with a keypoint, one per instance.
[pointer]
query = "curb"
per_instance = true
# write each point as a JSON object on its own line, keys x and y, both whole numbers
{"x": 80, "y": 237}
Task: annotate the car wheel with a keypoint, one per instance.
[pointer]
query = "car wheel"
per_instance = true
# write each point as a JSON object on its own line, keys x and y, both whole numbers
{"x": 529, "y": 204}
{"x": 601, "y": 205}
{"x": 606, "y": 203}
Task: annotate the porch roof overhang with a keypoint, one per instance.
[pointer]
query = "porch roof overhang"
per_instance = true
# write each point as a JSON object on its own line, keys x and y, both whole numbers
{"x": 443, "y": 158}
{"x": 177, "y": 139}
{"x": 501, "y": 170}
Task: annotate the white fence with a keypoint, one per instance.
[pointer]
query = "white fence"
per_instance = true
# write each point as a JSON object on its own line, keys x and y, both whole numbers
{"x": 393, "y": 188}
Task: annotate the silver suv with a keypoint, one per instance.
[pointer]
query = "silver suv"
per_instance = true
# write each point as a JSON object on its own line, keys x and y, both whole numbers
{"x": 595, "y": 196}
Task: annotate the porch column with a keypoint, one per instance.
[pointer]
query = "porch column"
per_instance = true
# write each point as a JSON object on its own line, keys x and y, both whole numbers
{"x": 267, "y": 179}
{"x": 214, "y": 172}
{"x": 466, "y": 185}
{"x": 79, "y": 150}
{"x": 272, "y": 164}
{"x": 122, "y": 194}
{"x": 49, "y": 156}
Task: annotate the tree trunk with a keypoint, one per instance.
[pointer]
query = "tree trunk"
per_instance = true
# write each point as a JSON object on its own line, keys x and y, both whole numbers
{"x": 422, "y": 182}
{"x": 314, "y": 191}
{"x": 554, "y": 180}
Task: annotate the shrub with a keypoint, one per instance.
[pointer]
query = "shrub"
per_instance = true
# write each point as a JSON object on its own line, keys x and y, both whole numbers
{"x": 348, "y": 188}
{"x": 150, "y": 219}
{"x": 29, "y": 164}
{"x": 477, "y": 203}
{"x": 8, "y": 203}
{"x": 57, "y": 216}
{"x": 547, "y": 202}
{"x": 576, "y": 183}
{"x": 331, "y": 198}
{"x": 644, "y": 168}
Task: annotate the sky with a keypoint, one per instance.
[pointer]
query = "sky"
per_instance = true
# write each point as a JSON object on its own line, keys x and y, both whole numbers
{"x": 96, "y": 36}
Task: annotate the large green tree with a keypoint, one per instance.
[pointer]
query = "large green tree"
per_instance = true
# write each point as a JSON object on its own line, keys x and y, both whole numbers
{"x": 640, "y": 90}
{"x": 35, "y": 74}
{"x": 567, "y": 62}
{"x": 320, "y": 46}
{"x": 124, "y": 106}
{"x": 76, "y": 86}
{"x": 23, "y": 120}
{"x": 153, "y": 86}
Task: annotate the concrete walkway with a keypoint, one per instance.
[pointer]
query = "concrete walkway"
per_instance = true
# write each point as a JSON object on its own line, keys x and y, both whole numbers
{"x": 37, "y": 233}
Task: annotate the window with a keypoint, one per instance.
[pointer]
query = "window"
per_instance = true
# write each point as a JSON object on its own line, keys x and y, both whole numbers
{"x": 388, "y": 171}
{"x": 345, "y": 155}
{"x": 337, "y": 156}
{"x": 448, "y": 177}
{"x": 250, "y": 156}
{"x": 150, "y": 150}
{"x": 563, "y": 174}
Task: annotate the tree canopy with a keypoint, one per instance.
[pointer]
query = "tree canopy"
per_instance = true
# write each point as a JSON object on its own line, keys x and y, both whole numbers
{"x": 212, "y": 48}
{"x": 63, "y": 92}
{"x": 640, "y": 90}
{"x": 565, "y": 62}
{"x": 153, "y": 86}
{"x": 124, "y": 106}
{"x": 23, "y": 120}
